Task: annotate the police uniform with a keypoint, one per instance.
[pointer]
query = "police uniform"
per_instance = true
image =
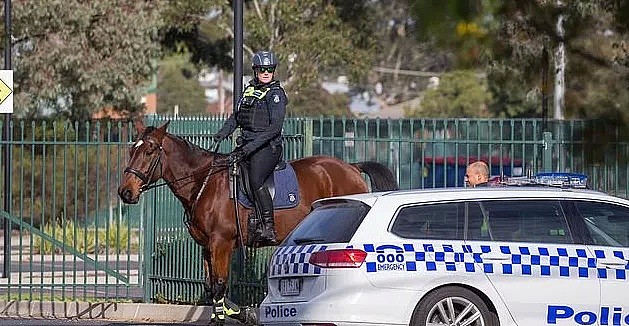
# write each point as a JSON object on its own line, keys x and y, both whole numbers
{"x": 260, "y": 115}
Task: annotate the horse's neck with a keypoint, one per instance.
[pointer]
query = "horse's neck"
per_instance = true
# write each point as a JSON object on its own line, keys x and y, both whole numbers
{"x": 185, "y": 171}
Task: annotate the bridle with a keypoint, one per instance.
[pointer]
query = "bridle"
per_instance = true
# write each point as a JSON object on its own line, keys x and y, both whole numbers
{"x": 146, "y": 178}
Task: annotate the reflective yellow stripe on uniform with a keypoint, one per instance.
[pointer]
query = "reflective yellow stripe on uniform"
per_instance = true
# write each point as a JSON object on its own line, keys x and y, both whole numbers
{"x": 257, "y": 93}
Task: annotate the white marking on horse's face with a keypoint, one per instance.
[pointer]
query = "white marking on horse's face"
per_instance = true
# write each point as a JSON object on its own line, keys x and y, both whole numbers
{"x": 139, "y": 143}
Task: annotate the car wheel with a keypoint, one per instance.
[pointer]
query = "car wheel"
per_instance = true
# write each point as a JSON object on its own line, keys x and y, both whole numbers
{"x": 453, "y": 306}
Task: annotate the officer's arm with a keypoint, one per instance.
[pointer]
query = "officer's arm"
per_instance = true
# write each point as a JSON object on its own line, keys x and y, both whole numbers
{"x": 276, "y": 101}
{"x": 230, "y": 124}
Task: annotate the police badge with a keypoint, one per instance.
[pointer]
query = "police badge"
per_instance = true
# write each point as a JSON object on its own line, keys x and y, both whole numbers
{"x": 276, "y": 98}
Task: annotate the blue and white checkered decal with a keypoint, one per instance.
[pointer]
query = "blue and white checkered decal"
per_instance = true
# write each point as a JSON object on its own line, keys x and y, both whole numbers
{"x": 293, "y": 260}
{"x": 525, "y": 260}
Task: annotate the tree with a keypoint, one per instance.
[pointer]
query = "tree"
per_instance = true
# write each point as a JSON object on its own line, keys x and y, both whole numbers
{"x": 310, "y": 38}
{"x": 593, "y": 29}
{"x": 178, "y": 86}
{"x": 460, "y": 94}
{"x": 317, "y": 101}
{"x": 461, "y": 27}
{"x": 75, "y": 57}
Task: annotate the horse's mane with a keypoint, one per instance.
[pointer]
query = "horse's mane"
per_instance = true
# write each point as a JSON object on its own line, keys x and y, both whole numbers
{"x": 194, "y": 147}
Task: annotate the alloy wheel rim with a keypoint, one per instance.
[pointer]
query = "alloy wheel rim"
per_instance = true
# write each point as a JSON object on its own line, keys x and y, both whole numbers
{"x": 455, "y": 311}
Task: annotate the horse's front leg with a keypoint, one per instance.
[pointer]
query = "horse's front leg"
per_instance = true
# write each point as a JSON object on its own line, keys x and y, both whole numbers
{"x": 216, "y": 261}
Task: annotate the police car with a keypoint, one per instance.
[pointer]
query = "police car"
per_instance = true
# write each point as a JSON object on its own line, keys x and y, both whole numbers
{"x": 523, "y": 255}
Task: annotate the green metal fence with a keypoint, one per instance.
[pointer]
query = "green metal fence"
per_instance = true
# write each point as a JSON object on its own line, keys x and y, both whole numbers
{"x": 74, "y": 240}
{"x": 71, "y": 238}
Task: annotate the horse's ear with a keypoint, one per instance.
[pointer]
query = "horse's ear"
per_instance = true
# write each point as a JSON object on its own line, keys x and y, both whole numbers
{"x": 161, "y": 131}
{"x": 138, "y": 123}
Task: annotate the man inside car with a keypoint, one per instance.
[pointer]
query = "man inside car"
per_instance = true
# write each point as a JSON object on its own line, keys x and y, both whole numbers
{"x": 477, "y": 174}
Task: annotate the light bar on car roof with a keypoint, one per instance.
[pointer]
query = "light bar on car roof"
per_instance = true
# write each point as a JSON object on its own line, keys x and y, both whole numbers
{"x": 549, "y": 179}
{"x": 561, "y": 179}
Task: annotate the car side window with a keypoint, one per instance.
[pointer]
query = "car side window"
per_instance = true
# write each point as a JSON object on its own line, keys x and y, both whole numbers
{"x": 608, "y": 224}
{"x": 477, "y": 224}
{"x": 432, "y": 221}
{"x": 539, "y": 221}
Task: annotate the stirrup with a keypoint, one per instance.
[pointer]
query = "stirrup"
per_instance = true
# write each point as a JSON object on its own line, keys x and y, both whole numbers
{"x": 270, "y": 238}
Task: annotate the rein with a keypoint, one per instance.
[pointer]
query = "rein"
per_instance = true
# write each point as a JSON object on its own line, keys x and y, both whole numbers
{"x": 146, "y": 186}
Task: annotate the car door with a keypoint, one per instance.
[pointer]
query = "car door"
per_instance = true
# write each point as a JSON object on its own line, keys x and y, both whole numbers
{"x": 424, "y": 249}
{"x": 526, "y": 250}
{"x": 607, "y": 236}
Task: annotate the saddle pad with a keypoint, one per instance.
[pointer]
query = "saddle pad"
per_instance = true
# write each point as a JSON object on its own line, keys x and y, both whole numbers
{"x": 286, "y": 190}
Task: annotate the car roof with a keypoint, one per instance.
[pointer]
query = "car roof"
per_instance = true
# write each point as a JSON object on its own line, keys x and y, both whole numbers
{"x": 445, "y": 194}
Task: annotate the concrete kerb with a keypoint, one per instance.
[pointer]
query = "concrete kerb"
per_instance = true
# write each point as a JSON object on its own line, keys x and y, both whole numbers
{"x": 106, "y": 310}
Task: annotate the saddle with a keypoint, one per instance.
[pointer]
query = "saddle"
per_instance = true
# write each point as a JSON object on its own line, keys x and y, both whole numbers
{"x": 282, "y": 185}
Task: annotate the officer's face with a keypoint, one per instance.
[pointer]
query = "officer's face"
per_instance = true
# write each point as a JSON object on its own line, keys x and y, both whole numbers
{"x": 265, "y": 75}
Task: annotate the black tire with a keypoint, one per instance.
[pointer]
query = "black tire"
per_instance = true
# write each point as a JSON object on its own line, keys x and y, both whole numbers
{"x": 460, "y": 298}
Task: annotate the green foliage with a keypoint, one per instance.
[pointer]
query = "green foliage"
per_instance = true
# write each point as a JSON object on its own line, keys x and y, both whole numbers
{"x": 596, "y": 78}
{"x": 315, "y": 101}
{"x": 460, "y": 94}
{"x": 309, "y": 37}
{"x": 114, "y": 239}
{"x": 460, "y": 26}
{"x": 178, "y": 86}
{"x": 513, "y": 95}
{"x": 75, "y": 57}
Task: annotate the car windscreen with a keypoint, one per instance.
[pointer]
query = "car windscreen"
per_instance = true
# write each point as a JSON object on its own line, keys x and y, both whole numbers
{"x": 332, "y": 222}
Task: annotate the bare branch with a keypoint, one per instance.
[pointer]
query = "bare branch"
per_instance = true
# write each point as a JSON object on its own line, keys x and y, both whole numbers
{"x": 256, "y": 5}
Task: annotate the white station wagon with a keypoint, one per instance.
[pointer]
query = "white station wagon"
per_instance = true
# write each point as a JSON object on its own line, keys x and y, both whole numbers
{"x": 488, "y": 256}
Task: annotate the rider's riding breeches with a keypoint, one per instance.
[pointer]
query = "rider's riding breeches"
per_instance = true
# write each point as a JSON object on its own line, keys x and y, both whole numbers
{"x": 262, "y": 163}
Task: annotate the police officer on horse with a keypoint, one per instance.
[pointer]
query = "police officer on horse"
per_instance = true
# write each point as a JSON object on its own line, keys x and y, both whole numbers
{"x": 260, "y": 115}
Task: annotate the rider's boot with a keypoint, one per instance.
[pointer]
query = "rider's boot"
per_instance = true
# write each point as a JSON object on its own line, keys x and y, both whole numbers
{"x": 265, "y": 207}
{"x": 253, "y": 230}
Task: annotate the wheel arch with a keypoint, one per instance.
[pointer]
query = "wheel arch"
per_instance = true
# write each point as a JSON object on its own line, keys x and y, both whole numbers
{"x": 490, "y": 305}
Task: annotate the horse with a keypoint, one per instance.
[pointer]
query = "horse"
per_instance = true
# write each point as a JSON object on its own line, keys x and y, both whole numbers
{"x": 199, "y": 178}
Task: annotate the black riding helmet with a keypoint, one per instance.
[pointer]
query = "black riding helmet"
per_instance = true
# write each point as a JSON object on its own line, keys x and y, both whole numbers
{"x": 264, "y": 59}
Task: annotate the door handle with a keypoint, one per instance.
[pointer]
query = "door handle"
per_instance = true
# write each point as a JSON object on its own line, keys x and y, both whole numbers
{"x": 495, "y": 256}
{"x": 611, "y": 262}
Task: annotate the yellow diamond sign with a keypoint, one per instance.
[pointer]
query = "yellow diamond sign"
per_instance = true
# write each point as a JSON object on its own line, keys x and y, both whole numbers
{"x": 6, "y": 91}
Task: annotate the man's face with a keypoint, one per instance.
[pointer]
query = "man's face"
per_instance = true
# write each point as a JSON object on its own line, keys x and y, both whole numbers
{"x": 472, "y": 178}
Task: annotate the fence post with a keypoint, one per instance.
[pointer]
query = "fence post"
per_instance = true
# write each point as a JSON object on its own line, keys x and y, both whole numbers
{"x": 547, "y": 152}
{"x": 308, "y": 137}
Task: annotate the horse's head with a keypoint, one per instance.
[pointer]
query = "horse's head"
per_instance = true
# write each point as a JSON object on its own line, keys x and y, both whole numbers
{"x": 145, "y": 162}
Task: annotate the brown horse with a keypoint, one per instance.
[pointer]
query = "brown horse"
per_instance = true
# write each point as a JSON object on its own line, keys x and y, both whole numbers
{"x": 200, "y": 180}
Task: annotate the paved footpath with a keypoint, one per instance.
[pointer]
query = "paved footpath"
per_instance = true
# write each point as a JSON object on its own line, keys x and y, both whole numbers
{"x": 10, "y": 321}
{"x": 83, "y": 313}
{"x": 15, "y": 321}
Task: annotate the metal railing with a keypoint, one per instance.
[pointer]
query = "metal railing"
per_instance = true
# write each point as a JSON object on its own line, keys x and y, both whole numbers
{"x": 72, "y": 239}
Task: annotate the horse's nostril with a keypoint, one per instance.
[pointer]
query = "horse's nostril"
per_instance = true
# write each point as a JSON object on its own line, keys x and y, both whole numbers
{"x": 125, "y": 195}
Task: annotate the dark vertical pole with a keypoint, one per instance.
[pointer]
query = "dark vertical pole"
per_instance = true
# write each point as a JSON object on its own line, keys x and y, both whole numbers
{"x": 237, "y": 296}
{"x": 6, "y": 270}
{"x": 545, "y": 64}
{"x": 238, "y": 40}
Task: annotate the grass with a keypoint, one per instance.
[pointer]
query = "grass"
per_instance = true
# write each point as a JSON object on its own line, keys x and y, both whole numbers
{"x": 113, "y": 239}
{"x": 36, "y": 296}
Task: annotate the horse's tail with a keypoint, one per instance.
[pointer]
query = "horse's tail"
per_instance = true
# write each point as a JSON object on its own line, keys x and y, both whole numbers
{"x": 382, "y": 179}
